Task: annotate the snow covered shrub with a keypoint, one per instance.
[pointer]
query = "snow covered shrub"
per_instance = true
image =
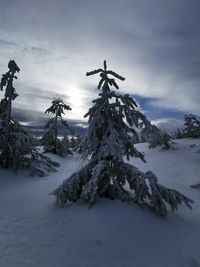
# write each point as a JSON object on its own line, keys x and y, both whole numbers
{"x": 50, "y": 139}
{"x": 108, "y": 139}
{"x": 75, "y": 143}
{"x": 156, "y": 138}
{"x": 17, "y": 147}
{"x": 192, "y": 126}
{"x": 66, "y": 141}
{"x": 178, "y": 134}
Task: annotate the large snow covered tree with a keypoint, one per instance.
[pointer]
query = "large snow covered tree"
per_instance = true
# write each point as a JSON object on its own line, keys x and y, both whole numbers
{"x": 109, "y": 138}
{"x": 192, "y": 126}
{"x": 17, "y": 147}
{"x": 50, "y": 139}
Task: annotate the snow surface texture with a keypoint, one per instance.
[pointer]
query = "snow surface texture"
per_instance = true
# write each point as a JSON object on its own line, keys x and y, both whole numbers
{"x": 35, "y": 233}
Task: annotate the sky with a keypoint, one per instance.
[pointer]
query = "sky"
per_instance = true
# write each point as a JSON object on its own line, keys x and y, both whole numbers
{"x": 154, "y": 44}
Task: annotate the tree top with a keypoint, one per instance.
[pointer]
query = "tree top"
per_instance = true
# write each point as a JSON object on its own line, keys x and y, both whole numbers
{"x": 105, "y": 80}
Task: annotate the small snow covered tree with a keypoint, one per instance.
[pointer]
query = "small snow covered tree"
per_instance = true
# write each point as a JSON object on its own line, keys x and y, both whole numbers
{"x": 75, "y": 143}
{"x": 17, "y": 147}
{"x": 192, "y": 126}
{"x": 108, "y": 139}
{"x": 50, "y": 139}
{"x": 78, "y": 145}
{"x": 155, "y": 137}
{"x": 66, "y": 142}
{"x": 178, "y": 134}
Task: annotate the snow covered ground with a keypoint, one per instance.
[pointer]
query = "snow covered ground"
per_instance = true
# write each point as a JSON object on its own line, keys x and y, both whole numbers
{"x": 36, "y": 233}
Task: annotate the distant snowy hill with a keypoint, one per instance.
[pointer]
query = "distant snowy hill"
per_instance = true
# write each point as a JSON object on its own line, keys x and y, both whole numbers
{"x": 36, "y": 233}
{"x": 38, "y": 130}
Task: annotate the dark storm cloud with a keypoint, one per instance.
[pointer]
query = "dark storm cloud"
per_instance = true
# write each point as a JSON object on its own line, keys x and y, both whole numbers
{"x": 154, "y": 44}
{"x": 34, "y": 122}
{"x": 167, "y": 39}
{"x": 28, "y": 116}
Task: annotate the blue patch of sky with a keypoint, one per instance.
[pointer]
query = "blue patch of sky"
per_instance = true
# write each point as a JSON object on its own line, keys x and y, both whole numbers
{"x": 153, "y": 112}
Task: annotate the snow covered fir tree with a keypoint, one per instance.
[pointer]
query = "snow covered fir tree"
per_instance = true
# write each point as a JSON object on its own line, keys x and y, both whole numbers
{"x": 112, "y": 119}
{"x": 75, "y": 143}
{"x": 155, "y": 137}
{"x": 50, "y": 138}
{"x": 17, "y": 147}
{"x": 192, "y": 126}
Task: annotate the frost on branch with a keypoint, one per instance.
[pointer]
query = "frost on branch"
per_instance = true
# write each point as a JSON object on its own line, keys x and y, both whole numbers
{"x": 103, "y": 179}
{"x": 112, "y": 119}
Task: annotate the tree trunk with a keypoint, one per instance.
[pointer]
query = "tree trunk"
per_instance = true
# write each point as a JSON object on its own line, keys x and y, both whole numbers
{"x": 56, "y": 131}
{"x": 8, "y": 110}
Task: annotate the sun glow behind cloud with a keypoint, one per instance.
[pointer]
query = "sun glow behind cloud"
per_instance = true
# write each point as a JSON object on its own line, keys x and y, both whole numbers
{"x": 57, "y": 43}
{"x": 76, "y": 100}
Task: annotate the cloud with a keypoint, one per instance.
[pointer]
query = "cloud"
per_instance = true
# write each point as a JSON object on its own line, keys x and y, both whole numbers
{"x": 34, "y": 121}
{"x": 32, "y": 102}
{"x": 28, "y": 116}
{"x": 154, "y": 44}
{"x": 7, "y": 43}
{"x": 169, "y": 125}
